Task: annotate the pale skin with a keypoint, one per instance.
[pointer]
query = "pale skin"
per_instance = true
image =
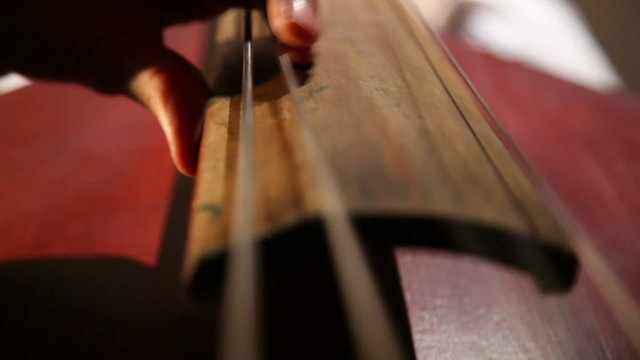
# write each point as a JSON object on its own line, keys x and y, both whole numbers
{"x": 115, "y": 47}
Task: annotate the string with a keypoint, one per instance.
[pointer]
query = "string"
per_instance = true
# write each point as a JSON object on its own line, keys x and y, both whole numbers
{"x": 369, "y": 320}
{"x": 239, "y": 332}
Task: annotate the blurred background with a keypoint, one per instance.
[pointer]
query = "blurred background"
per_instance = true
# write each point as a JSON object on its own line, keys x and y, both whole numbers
{"x": 591, "y": 43}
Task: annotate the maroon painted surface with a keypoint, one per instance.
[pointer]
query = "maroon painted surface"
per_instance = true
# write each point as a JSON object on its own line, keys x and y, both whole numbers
{"x": 467, "y": 308}
{"x": 83, "y": 174}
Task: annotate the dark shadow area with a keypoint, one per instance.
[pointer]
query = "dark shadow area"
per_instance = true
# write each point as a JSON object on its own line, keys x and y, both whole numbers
{"x": 303, "y": 314}
{"x": 106, "y": 308}
{"x": 226, "y": 66}
{"x": 227, "y": 79}
{"x": 302, "y": 311}
{"x": 553, "y": 269}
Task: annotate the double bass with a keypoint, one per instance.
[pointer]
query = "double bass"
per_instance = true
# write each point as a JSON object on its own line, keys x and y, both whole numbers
{"x": 308, "y": 178}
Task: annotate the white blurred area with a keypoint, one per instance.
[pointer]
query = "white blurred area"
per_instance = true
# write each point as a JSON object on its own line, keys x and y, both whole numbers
{"x": 12, "y": 81}
{"x": 549, "y": 35}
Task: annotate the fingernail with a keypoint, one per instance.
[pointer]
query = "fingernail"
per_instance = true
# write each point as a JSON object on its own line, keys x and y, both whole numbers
{"x": 303, "y": 13}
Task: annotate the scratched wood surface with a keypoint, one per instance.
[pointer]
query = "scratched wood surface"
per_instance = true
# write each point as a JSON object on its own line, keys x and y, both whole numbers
{"x": 401, "y": 133}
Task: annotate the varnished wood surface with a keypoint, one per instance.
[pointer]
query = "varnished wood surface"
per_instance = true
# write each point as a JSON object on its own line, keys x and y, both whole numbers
{"x": 400, "y": 132}
{"x": 461, "y": 307}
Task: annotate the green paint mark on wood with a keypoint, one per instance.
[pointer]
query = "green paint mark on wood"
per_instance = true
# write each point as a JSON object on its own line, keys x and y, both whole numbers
{"x": 213, "y": 209}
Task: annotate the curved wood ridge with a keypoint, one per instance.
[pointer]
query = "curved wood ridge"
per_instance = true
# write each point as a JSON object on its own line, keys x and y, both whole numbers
{"x": 401, "y": 133}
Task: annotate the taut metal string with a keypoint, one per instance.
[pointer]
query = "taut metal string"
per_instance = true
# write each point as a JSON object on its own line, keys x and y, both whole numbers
{"x": 371, "y": 327}
{"x": 240, "y": 328}
{"x": 370, "y": 323}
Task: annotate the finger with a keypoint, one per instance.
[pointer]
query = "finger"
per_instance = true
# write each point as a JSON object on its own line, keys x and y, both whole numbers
{"x": 176, "y": 93}
{"x": 166, "y": 83}
{"x": 294, "y": 21}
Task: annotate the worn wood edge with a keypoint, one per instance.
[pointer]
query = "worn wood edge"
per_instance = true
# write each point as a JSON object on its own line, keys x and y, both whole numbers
{"x": 210, "y": 187}
{"x": 503, "y": 154}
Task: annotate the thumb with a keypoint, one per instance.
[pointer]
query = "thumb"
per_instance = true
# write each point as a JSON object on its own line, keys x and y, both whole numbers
{"x": 176, "y": 93}
{"x": 167, "y": 84}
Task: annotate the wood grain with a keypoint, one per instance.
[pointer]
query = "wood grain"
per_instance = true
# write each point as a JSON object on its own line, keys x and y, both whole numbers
{"x": 401, "y": 134}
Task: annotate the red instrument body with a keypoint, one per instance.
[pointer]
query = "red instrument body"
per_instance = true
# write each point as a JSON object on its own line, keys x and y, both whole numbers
{"x": 87, "y": 183}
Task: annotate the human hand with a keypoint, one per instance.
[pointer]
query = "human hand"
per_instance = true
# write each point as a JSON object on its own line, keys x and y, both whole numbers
{"x": 115, "y": 47}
